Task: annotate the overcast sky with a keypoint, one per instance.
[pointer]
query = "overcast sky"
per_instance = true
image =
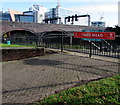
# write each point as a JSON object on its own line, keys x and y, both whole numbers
{"x": 108, "y": 9}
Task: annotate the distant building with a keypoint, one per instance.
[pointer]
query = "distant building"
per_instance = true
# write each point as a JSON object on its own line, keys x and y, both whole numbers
{"x": 24, "y": 18}
{"x": 38, "y": 11}
{"x": 5, "y": 16}
{"x": 39, "y": 14}
{"x": 35, "y": 14}
{"x": 13, "y": 15}
{"x": 98, "y": 24}
{"x": 59, "y": 15}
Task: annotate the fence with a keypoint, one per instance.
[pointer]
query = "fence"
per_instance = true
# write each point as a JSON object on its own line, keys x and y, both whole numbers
{"x": 64, "y": 42}
{"x": 60, "y": 40}
{"x": 21, "y": 40}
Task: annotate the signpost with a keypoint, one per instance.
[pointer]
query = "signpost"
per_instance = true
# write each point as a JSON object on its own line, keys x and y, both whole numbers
{"x": 89, "y": 39}
{"x": 94, "y": 36}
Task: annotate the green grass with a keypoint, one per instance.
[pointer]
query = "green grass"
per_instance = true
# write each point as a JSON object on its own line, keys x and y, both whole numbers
{"x": 13, "y": 45}
{"x": 64, "y": 46}
{"x": 102, "y": 92}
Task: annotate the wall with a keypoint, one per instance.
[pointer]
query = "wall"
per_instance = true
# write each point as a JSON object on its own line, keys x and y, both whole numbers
{"x": 39, "y": 28}
{"x": 9, "y": 54}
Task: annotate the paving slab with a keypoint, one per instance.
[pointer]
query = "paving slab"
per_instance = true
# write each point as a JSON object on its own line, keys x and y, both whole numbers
{"x": 30, "y": 80}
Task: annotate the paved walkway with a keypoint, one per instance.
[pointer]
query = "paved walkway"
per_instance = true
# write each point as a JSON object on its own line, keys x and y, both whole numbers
{"x": 29, "y": 80}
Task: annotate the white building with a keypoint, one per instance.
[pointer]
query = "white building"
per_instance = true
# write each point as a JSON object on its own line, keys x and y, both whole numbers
{"x": 38, "y": 11}
{"x": 60, "y": 15}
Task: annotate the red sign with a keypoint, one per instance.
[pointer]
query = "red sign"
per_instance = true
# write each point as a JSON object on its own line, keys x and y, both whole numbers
{"x": 95, "y": 35}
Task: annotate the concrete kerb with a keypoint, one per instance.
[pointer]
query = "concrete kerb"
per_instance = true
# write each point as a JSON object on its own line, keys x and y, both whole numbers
{"x": 95, "y": 57}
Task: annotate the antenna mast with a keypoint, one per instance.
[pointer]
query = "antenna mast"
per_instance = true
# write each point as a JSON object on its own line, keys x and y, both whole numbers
{"x": 58, "y": 3}
{"x": 101, "y": 17}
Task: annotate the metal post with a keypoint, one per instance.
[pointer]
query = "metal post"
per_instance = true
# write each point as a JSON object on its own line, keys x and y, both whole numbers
{"x": 101, "y": 46}
{"x": 26, "y": 41}
{"x": 45, "y": 40}
{"x": 59, "y": 20}
{"x": 65, "y": 20}
{"x": 118, "y": 56}
{"x": 90, "y": 49}
{"x": 37, "y": 40}
{"x": 9, "y": 36}
{"x": 88, "y": 20}
{"x": 72, "y": 20}
{"x": 61, "y": 42}
{"x": 70, "y": 40}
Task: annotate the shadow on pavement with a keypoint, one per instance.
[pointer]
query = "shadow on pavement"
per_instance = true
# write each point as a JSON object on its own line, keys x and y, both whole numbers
{"x": 42, "y": 62}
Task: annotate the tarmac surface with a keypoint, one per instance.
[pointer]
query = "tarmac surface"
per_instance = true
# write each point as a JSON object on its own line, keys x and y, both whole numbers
{"x": 30, "y": 80}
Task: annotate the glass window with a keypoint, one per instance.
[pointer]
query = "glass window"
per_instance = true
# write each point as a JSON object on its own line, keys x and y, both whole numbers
{"x": 6, "y": 17}
{"x": 26, "y": 19}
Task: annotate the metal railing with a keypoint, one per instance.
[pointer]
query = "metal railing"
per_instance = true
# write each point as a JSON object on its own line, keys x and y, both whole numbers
{"x": 101, "y": 48}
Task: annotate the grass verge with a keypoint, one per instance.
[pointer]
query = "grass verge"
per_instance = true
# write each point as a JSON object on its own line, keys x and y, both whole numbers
{"x": 13, "y": 45}
{"x": 102, "y": 92}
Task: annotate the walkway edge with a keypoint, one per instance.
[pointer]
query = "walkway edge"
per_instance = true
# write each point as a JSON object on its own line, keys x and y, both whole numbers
{"x": 109, "y": 59}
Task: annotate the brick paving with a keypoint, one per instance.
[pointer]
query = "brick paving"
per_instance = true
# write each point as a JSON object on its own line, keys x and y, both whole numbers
{"x": 30, "y": 80}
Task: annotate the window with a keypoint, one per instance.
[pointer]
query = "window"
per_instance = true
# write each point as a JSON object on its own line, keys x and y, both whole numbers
{"x": 26, "y": 19}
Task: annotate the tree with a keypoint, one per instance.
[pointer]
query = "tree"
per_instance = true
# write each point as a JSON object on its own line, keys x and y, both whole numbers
{"x": 116, "y": 30}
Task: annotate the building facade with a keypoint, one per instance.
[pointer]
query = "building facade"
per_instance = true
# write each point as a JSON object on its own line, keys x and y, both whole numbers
{"x": 24, "y": 18}
{"x": 38, "y": 12}
{"x": 11, "y": 15}
{"x": 35, "y": 14}
{"x": 59, "y": 15}
{"x": 5, "y": 16}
